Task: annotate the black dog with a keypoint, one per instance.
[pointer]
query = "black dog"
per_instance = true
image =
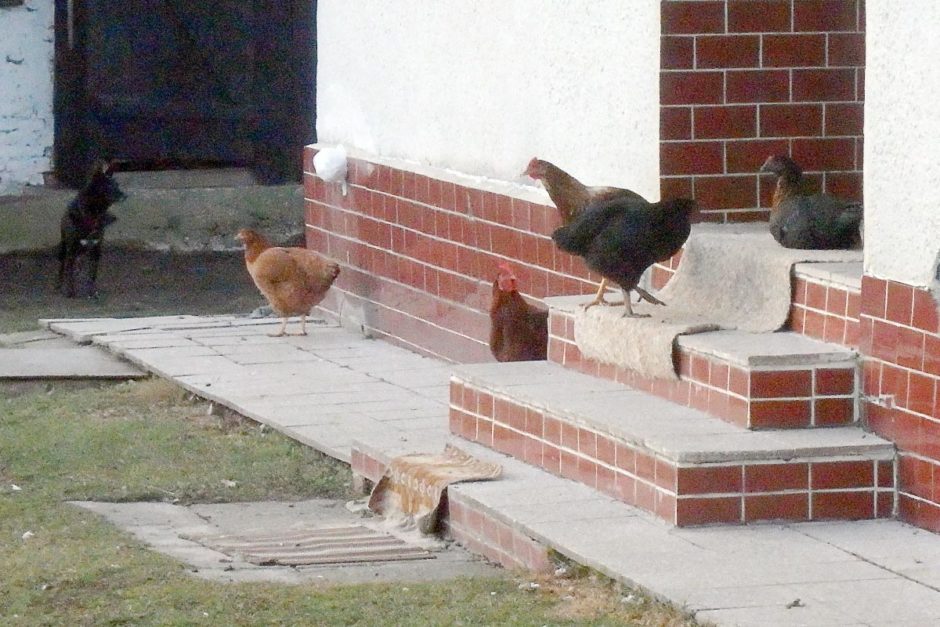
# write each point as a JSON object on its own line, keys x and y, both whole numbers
{"x": 83, "y": 226}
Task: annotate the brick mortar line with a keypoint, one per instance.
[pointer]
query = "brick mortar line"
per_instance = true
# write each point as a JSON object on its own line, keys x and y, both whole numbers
{"x": 761, "y": 68}
{"x": 786, "y": 492}
{"x": 755, "y": 138}
{"x": 827, "y": 283}
{"x": 908, "y": 369}
{"x": 824, "y": 312}
{"x": 772, "y": 33}
{"x": 919, "y": 457}
{"x": 900, "y": 325}
{"x": 905, "y": 410}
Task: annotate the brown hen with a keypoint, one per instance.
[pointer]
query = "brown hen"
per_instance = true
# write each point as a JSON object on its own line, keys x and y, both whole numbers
{"x": 293, "y": 280}
{"x": 571, "y": 196}
{"x": 518, "y": 330}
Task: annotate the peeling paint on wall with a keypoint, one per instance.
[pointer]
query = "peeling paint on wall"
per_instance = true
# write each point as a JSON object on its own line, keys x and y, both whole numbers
{"x": 26, "y": 74}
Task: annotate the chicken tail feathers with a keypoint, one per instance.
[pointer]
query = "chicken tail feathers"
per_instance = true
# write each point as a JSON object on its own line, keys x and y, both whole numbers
{"x": 565, "y": 239}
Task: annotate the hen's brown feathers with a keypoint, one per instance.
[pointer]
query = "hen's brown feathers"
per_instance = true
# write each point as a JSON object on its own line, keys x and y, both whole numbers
{"x": 569, "y": 194}
{"x": 293, "y": 280}
{"x": 518, "y": 330}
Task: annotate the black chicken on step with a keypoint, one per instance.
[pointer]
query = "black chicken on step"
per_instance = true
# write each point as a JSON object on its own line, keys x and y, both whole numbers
{"x": 620, "y": 238}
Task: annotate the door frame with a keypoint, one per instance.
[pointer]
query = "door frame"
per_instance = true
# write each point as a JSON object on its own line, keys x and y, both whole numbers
{"x": 284, "y": 91}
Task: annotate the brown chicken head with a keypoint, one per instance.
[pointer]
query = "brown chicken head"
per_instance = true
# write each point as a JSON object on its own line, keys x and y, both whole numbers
{"x": 537, "y": 168}
{"x": 506, "y": 278}
{"x": 782, "y": 165}
{"x": 247, "y": 236}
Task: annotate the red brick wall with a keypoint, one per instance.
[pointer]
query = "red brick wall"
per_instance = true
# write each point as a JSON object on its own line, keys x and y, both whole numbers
{"x": 742, "y": 79}
{"x": 900, "y": 341}
{"x": 419, "y": 255}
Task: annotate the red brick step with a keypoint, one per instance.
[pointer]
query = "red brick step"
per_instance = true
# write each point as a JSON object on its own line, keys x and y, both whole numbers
{"x": 676, "y": 462}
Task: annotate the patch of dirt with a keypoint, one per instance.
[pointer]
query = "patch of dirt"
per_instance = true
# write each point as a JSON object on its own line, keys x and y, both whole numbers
{"x": 132, "y": 282}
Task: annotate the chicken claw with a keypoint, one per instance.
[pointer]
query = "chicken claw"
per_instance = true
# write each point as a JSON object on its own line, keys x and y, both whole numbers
{"x": 629, "y": 313}
{"x": 599, "y": 298}
{"x": 283, "y": 330}
{"x": 644, "y": 295}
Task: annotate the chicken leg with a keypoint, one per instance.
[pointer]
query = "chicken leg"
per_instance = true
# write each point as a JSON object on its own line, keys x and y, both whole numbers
{"x": 629, "y": 313}
{"x": 283, "y": 330}
{"x": 280, "y": 332}
{"x": 644, "y": 295}
{"x": 599, "y": 297}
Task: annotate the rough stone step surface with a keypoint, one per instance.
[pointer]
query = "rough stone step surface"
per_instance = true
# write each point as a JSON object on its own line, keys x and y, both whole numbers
{"x": 677, "y": 462}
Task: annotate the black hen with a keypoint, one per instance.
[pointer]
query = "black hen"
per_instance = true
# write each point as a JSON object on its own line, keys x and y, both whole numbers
{"x": 619, "y": 239}
{"x": 799, "y": 219}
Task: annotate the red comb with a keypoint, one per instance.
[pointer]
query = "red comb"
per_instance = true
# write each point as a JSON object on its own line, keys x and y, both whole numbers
{"x": 505, "y": 267}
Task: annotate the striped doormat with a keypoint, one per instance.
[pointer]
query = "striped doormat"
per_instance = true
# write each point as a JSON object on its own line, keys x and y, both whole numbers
{"x": 332, "y": 545}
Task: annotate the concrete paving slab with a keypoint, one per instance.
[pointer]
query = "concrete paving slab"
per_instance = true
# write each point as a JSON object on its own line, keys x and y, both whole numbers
{"x": 142, "y": 341}
{"x": 82, "y": 362}
{"x": 778, "y": 615}
{"x": 731, "y": 575}
{"x": 165, "y": 528}
{"x": 847, "y": 274}
{"x": 777, "y": 350}
{"x": 9, "y": 340}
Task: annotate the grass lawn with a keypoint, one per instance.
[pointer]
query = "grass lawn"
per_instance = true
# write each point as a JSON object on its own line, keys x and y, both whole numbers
{"x": 147, "y": 441}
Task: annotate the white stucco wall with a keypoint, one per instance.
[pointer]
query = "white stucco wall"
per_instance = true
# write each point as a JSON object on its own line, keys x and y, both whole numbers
{"x": 481, "y": 86}
{"x": 26, "y": 61}
{"x": 902, "y": 140}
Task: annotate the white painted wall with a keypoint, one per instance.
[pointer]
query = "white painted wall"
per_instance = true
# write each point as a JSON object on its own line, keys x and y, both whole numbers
{"x": 902, "y": 140}
{"x": 481, "y": 86}
{"x": 26, "y": 72}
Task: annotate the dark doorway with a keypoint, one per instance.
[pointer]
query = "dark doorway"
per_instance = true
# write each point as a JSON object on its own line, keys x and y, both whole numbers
{"x": 168, "y": 84}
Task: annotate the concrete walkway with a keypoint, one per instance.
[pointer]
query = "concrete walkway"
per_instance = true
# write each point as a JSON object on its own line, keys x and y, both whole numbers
{"x": 334, "y": 388}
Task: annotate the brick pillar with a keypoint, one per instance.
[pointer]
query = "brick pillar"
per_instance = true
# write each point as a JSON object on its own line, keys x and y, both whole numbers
{"x": 742, "y": 79}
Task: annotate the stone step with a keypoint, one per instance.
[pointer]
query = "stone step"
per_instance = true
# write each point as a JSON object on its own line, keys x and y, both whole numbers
{"x": 779, "y": 380}
{"x": 826, "y": 298}
{"x": 676, "y": 462}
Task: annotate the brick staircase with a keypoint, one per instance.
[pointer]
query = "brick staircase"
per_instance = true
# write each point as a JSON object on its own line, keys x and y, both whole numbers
{"x": 757, "y": 427}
